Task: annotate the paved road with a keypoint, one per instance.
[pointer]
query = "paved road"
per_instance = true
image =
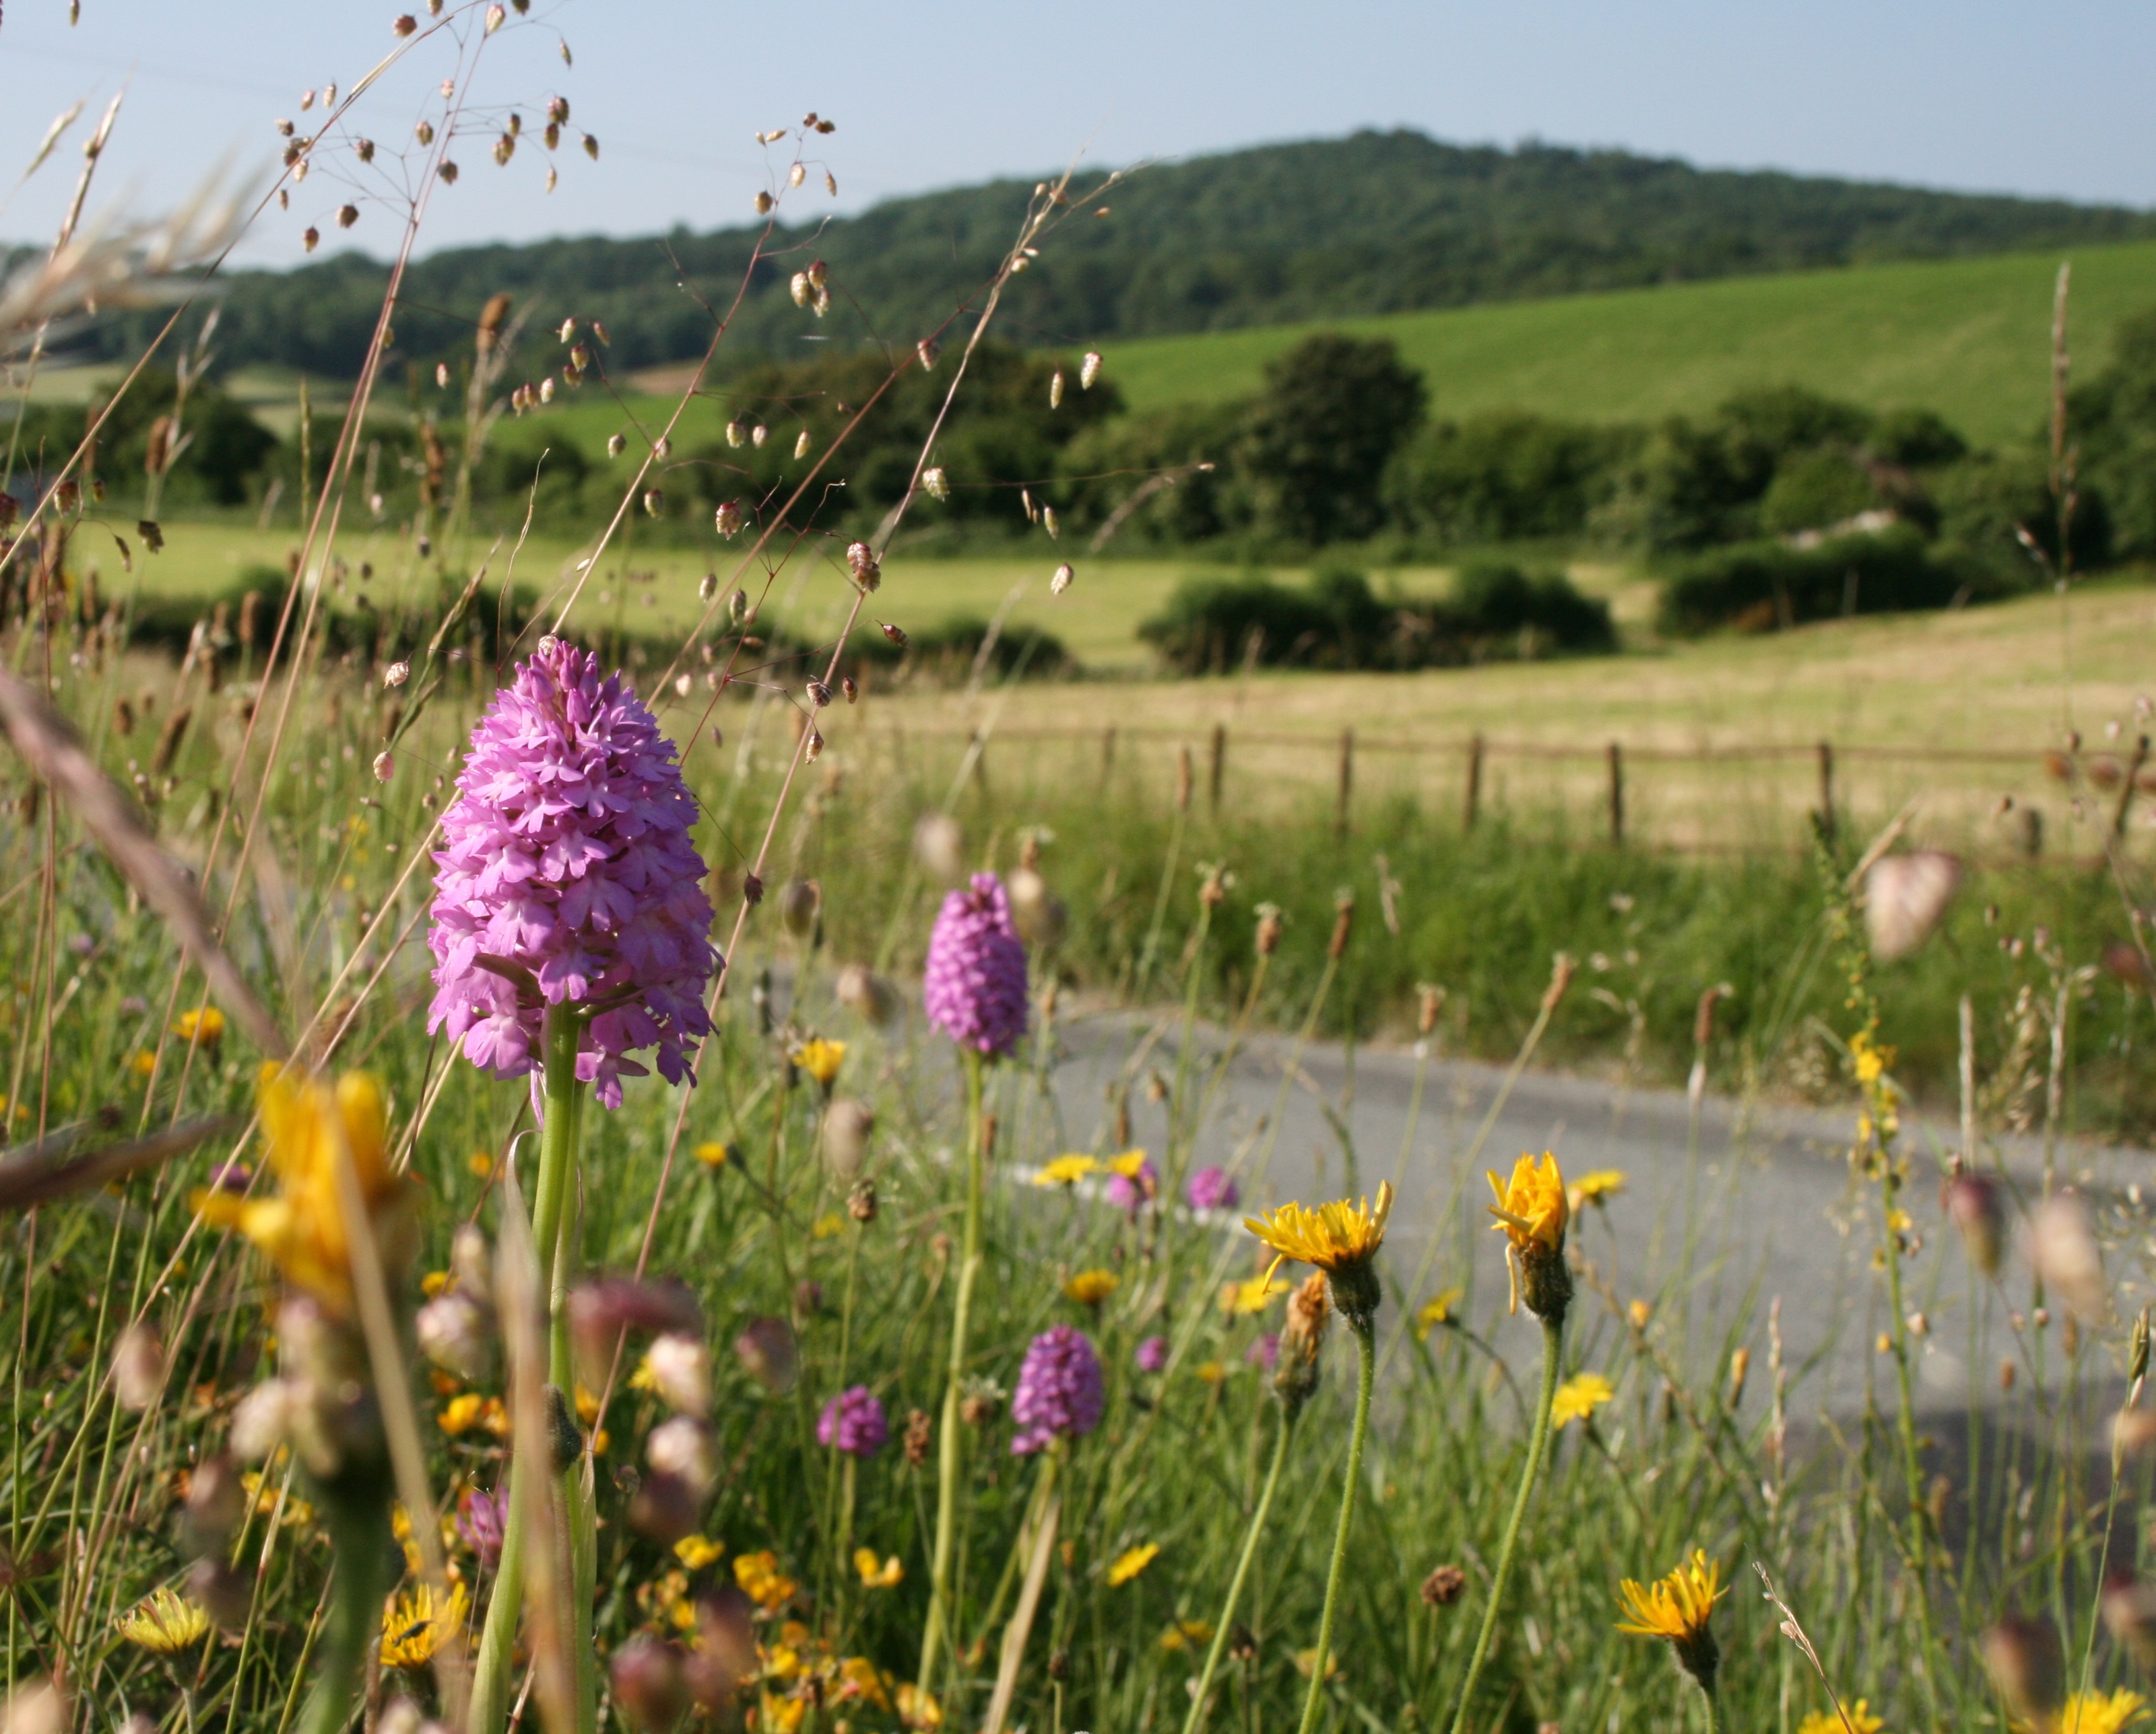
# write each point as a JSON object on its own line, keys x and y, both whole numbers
{"x": 1769, "y": 1197}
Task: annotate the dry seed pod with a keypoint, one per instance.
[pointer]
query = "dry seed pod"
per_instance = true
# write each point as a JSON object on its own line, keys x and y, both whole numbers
{"x": 766, "y": 1349}
{"x": 936, "y": 483}
{"x": 1055, "y": 391}
{"x": 1904, "y": 898}
{"x": 2028, "y": 1664}
{"x": 1972, "y": 1204}
{"x": 757, "y": 434}
{"x": 763, "y": 204}
{"x": 681, "y": 1370}
{"x": 861, "y": 990}
{"x": 1048, "y": 521}
{"x": 801, "y": 446}
{"x": 926, "y": 349}
{"x": 939, "y": 846}
{"x": 1089, "y": 370}
{"x": 727, "y": 520}
{"x": 2063, "y": 1246}
{"x": 1061, "y": 581}
{"x": 138, "y": 1368}
{"x": 848, "y": 1126}
{"x": 737, "y": 433}
{"x": 591, "y": 147}
{"x": 616, "y": 445}
{"x": 897, "y": 634}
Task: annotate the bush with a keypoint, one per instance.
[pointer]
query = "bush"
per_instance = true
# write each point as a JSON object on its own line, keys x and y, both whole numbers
{"x": 946, "y": 655}
{"x": 1816, "y": 490}
{"x": 1756, "y": 586}
{"x": 1124, "y": 466}
{"x": 1984, "y": 500}
{"x": 1211, "y": 625}
{"x": 1507, "y": 474}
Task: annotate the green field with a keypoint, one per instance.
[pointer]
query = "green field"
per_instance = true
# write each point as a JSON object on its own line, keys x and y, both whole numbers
{"x": 1969, "y": 338}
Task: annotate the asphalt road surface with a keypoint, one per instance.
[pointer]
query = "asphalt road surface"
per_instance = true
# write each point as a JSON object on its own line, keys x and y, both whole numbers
{"x": 1766, "y": 1200}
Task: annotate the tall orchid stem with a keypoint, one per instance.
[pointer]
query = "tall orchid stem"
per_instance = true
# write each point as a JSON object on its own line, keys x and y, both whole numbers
{"x": 1220, "y": 1645}
{"x": 359, "y": 1540}
{"x": 1538, "y": 1442}
{"x": 942, "y": 1617}
{"x": 557, "y": 1152}
{"x": 1366, "y": 1376}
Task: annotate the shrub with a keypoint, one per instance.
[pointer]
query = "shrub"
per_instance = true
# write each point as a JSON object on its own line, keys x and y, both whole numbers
{"x": 1490, "y": 600}
{"x": 1507, "y": 474}
{"x": 1125, "y": 465}
{"x": 1815, "y": 489}
{"x": 1759, "y": 585}
{"x": 1983, "y": 501}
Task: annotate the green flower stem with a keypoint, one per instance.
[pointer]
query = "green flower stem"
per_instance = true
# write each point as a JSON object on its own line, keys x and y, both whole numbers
{"x": 359, "y": 1545}
{"x": 1538, "y": 1442}
{"x": 1366, "y": 1376}
{"x": 942, "y": 1617}
{"x": 1220, "y": 1644}
{"x": 557, "y": 1146}
{"x": 1711, "y": 1719}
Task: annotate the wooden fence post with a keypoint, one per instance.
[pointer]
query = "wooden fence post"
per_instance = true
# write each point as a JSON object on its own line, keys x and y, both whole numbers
{"x": 1347, "y": 775}
{"x": 1474, "y": 782}
{"x": 1616, "y": 795}
{"x": 1219, "y": 766}
{"x": 1826, "y": 790}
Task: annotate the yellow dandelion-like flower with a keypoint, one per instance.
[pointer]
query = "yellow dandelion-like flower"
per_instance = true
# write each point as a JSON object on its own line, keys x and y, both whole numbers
{"x": 1868, "y": 1059}
{"x": 2102, "y": 1713}
{"x": 826, "y": 1225}
{"x": 1678, "y": 1608}
{"x": 307, "y": 1124}
{"x": 417, "y": 1624}
{"x": 481, "y": 1163}
{"x": 1239, "y": 1300}
{"x": 887, "y": 1574}
{"x": 1131, "y": 1562}
{"x": 461, "y": 1415}
{"x": 776, "y": 1715}
{"x": 1067, "y": 1171}
{"x": 1186, "y": 1634}
{"x": 712, "y": 1154}
{"x": 1336, "y": 1238}
{"x": 1212, "y": 1372}
{"x": 1639, "y": 1312}
{"x": 918, "y": 1711}
{"x": 1436, "y": 1311}
{"x": 1592, "y": 1188}
{"x": 820, "y": 1059}
{"x": 1306, "y": 1663}
{"x": 1533, "y": 1211}
{"x": 1130, "y": 1164}
{"x": 165, "y": 1624}
{"x": 698, "y": 1552}
{"x": 1578, "y": 1398}
{"x": 1090, "y": 1287}
{"x": 860, "y": 1678}
{"x": 203, "y": 1026}
{"x": 1825, "y": 1721}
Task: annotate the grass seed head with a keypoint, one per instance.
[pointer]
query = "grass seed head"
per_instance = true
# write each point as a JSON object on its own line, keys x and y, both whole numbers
{"x": 1089, "y": 370}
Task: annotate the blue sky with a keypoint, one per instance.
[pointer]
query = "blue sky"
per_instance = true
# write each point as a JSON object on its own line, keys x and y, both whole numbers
{"x": 2052, "y": 99}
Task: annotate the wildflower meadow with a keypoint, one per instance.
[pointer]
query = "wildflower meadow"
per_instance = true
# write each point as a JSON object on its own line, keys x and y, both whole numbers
{"x": 529, "y": 1205}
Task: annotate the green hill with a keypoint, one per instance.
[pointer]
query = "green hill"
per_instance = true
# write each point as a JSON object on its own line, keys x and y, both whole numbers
{"x": 1375, "y": 224}
{"x": 1969, "y": 338}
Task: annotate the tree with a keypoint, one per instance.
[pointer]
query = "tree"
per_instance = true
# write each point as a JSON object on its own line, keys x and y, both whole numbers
{"x": 1333, "y": 411}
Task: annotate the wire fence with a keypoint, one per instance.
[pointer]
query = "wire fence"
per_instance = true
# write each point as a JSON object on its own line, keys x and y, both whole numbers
{"x": 1707, "y": 797}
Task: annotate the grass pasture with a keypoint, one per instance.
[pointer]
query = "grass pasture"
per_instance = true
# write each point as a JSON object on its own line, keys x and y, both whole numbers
{"x": 1969, "y": 338}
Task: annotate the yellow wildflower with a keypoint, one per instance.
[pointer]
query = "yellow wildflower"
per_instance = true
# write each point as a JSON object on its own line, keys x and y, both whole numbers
{"x": 918, "y": 1709}
{"x": 203, "y": 1026}
{"x": 587, "y": 1404}
{"x": 2102, "y": 1713}
{"x": 1186, "y": 1634}
{"x": 1130, "y": 1164}
{"x": 826, "y": 1225}
{"x": 165, "y": 1623}
{"x": 1212, "y": 1372}
{"x": 1306, "y": 1663}
{"x": 461, "y": 1414}
{"x": 1340, "y": 1238}
{"x": 297, "y": 1511}
{"x": 1578, "y": 1398}
{"x": 711, "y": 1154}
{"x": 1436, "y": 1311}
{"x": 1867, "y": 1059}
{"x": 309, "y": 1128}
{"x": 481, "y": 1163}
{"x": 143, "y": 1064}
{"x": 820, "y": 1059}
{"x": 434, "y": 1282}
{"x": 1090, "y": 1287}
{"x": 858, "y": 1678}
{"x": 1593, "y": 1187}
{"x": 779, "y": 1716}
{"x": 1825, "y": 1721}
{"x": 1238, "y": 1298}
{"x": 417, "y": 1624}
{"x": 1533, "y": 1211}
{"x": 1639, "y": 1312}
{"x": 1678, "y": 1608}
{"x": 761, "y": 1581}
{"x": 888, "y": 1575}
{"x": 1066, "y": 1171}
{"x": 1131, "y": 1562}
{"x": 697, "y": 1551}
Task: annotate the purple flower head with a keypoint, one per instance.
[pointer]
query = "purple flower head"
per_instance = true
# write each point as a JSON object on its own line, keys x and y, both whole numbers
{"x": 480, "y": 1523}
{"x": 853, "y": 1421}
{"x": 1211, "y": 1189}
{"x": 1153, "y": 1354}
{"x": 974, "y": 985}
{"x": 566, "y": 877}
{"x": 1058, "y": 1390}
{"x": 1264, "y": 1351}
{"x": 232, "y": 1176}
{"x": 1133, "y": 1192}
